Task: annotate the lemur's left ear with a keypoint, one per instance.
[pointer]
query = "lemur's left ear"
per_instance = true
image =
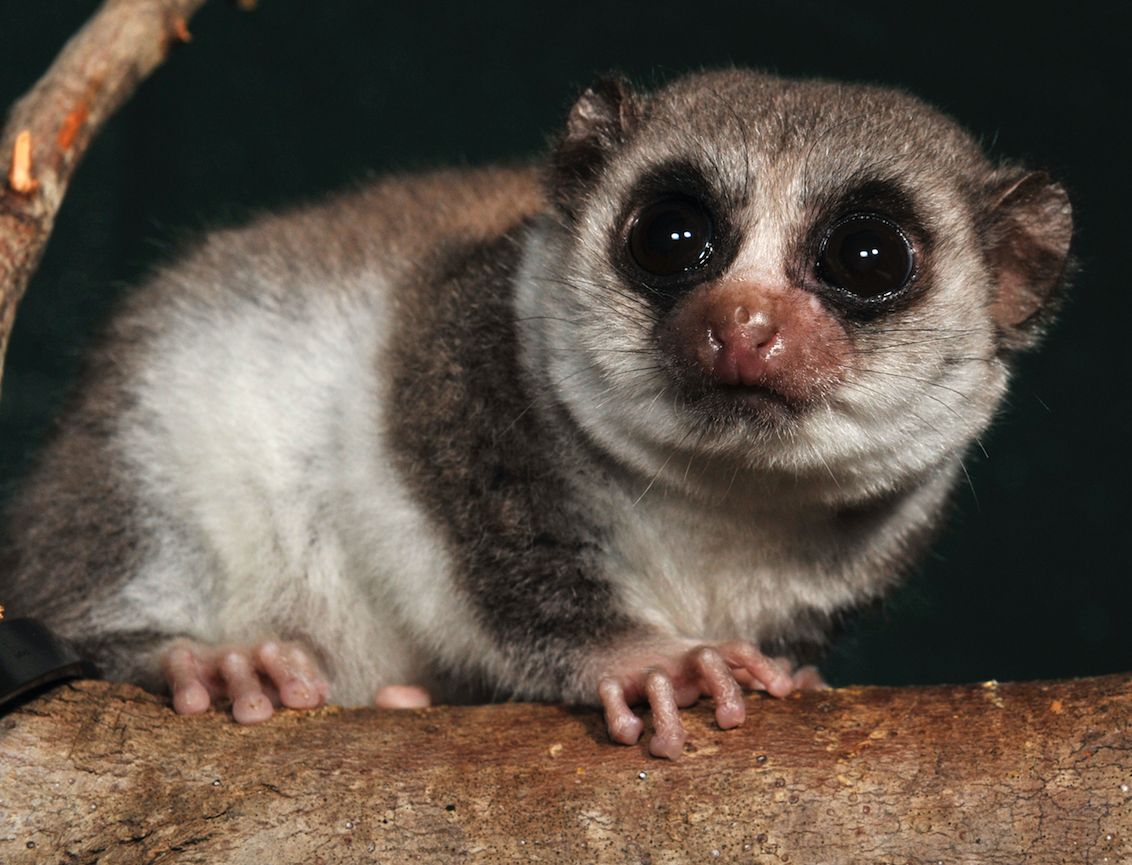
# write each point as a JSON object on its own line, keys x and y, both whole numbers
{"x": 600, "y": 121}
{"x": 1029, "y": 232}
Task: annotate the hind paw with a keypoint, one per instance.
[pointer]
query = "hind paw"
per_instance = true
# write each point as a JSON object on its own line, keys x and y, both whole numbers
{"x": 256, "y": 677}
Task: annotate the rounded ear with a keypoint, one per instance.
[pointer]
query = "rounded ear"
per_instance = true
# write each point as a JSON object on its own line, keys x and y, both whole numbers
{"x": 1031, "y": 225}
{"x": 602, "y": 118}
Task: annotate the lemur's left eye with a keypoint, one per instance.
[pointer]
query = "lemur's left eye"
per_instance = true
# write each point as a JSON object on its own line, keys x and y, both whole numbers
{"x": 671, "y": 236}
{"x": 866, "y": 255}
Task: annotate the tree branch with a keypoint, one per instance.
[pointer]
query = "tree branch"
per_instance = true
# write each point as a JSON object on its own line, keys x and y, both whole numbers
{"x": 46, "y": 133}
{"x": 1039, "y": 772}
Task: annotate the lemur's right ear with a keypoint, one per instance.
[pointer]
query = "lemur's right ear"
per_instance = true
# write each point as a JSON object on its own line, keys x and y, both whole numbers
{"x": 600, "y": 121}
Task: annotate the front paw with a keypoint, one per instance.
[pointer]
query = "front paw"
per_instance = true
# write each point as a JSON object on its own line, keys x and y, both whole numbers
{"x": 674, "y": 675}
{"x": 255, "y": 677}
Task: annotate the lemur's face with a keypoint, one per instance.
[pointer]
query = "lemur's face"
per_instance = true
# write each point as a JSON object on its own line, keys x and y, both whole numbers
{"x": 787, "y": 276}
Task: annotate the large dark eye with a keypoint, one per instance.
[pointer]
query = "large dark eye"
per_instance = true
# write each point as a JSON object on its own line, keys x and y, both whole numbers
{"x": 670, "y": 237}
{"x": 866, "y": 255}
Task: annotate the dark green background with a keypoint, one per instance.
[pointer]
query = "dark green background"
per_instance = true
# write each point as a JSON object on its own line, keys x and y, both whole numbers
{"x": 300, "y": 97}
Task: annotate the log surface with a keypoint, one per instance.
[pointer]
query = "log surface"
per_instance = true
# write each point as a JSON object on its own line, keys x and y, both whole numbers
{"x": 1034, "y": 773}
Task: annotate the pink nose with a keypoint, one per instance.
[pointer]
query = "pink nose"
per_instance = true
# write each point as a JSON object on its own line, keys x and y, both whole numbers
{"x": 765, "y": 334}
{"x": 741, "y": 339}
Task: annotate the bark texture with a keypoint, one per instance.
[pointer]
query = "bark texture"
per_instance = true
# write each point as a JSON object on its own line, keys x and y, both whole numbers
{"x": 46, "y": 133}
{"x": 1034, "y": 773}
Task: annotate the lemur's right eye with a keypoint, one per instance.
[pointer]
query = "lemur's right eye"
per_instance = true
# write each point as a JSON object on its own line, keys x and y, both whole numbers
{"x": 671, "y": 236}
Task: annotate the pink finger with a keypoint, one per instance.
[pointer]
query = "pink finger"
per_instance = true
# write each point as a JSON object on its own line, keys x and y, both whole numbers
{"x": 403, "y": 697}
{"x": 729, "y": 708}
{"x": 249, "y": 703}
{"x": 290, "y": 672}
{"x": 687, "y": 695}
{"x": 668, "y": 740}
{"x": 763, "y": 669}
{"x": 809, "y": 679}
{"x": 190, "y": 696}
{"x": 624, "y": 726}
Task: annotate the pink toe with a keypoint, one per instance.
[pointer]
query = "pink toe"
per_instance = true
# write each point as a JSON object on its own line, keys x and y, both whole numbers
{"x": 729, "y": 708}
{"x": 668, "y": 745}
{"x": 728, "y": 716}
{"x": 299, "y": 694}
{"x": 252, "y": 709}
{"x": 403, "y": 697}
{"x": 190, "y": 698}
{"x": 250, "y": 705}
{"x": 809, "y": 679}
{"x": 687, "y": 695}
{"x": 293, "y": 676}
{"x": 182, "y": 673}
{"x": 668, "y": 740}
{"x": 624, "y": 726}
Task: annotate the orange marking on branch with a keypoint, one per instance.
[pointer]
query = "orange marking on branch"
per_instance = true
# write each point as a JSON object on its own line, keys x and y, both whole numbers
{"x": 180, "y": 30}
{"x": 19, "y": 176}
{"x": 72, "y": 123}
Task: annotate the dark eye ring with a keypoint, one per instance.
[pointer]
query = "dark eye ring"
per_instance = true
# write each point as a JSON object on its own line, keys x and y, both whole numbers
{"x": 866, "y": 255}
{"x": 671, "y": 236}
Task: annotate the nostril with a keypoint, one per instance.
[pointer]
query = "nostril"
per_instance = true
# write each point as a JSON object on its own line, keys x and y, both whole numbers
{"x": 714, "y": 338}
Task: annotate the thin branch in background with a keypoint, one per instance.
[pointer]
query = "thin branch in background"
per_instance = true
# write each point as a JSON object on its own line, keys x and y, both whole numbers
{"x": 47, "y": 132}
